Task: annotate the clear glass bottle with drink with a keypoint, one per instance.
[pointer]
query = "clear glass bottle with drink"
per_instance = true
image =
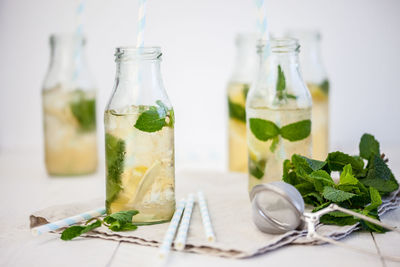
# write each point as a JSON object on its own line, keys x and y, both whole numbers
{"x": 314, "y": 74}
{"x": 139, "y": 138}
{"x": 69, "y": 109}
{"x": 238, "y": 87}
{"x": 278, "y": 112}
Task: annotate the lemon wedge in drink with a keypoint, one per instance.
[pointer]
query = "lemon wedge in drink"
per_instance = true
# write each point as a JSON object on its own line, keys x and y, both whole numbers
{"x": 147, "y": 181}
{"x": 129, "y": 181}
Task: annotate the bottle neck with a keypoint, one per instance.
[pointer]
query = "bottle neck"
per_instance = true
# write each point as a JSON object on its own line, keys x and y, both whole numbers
{"x": 67, "y": 53}
{"x": 246, "y": 59}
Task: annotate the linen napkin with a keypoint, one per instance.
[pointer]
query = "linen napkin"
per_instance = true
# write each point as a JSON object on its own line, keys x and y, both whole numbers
{"x": 230, "y": 212}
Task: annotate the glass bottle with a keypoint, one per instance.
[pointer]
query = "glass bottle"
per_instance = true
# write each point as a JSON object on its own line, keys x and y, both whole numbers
{"x": 238, "y": 87}
{"x": 69, "y": 109}
{"x": 278, "y": 113}
{"x": 315, "y": 76}
{"x": 139, "y": 138}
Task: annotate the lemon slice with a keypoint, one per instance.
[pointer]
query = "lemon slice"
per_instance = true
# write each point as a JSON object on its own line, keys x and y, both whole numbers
{"x": 147, "y": 181}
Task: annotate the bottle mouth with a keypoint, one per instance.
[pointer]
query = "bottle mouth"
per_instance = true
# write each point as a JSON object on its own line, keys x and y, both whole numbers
{"x": 125, "y": 53}
{"x": 304, "y": 35}
{"x": 280, "y": 45}
{"x": 67, "y": 38}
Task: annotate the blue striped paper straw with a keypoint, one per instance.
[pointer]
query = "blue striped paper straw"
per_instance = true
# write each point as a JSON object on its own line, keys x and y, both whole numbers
{"x": 170, "y": 234}
{"x": 141, "y": 23}
{"x": 208, "y": 229}
{"x": 262, "y": 25}
{"x": 68, "y": 221}
{"x": 79, "y": 34}
{"x": 180, "y": 240}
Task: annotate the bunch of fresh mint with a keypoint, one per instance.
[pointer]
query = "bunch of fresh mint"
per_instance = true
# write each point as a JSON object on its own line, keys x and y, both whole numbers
{"x": 360, "y": 186}
{"x": 117, "y": 222}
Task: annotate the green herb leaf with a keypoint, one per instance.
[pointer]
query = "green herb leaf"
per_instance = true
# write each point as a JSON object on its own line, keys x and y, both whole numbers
{"x": 296, "y": 131}
{"x": 380, "y": 176}
{"x": 263, "y": 129}
{"x": 321, "y": 179}
{"x": 376, "y": 199}
{"x": 337, "y": 160}
{"x": 336, "y": 195}
{"x": 245, "y": 90}
{"x": 155, "y": 118}
{"x": 115, "y": 154}
{"x": 325, "y": 86}
{"x": 274, "y": 144}
{"x": 280, "y": 83}
{"x": 77, "y": 230}
{"x": 121, "y": 221}
{"x": 236, "y": 111}
{"x": 121, "y": 216}
{"x": 368, "y": 146}
{"x": 84, "y": 111}
{"x": 256, "y": 169}
{"x": 347, "y": 177}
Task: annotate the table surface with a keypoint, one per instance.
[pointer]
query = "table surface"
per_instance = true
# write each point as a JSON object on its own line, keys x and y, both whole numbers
{"x": 25, "y": 187}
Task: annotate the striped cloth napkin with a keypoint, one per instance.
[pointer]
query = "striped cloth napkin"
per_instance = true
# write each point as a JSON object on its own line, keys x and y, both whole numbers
{"x": 230, "y": 212}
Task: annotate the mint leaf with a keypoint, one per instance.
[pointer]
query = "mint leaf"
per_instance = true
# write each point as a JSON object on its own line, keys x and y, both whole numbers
{"x": 314, "y": 164}
{"x": 368, "y": 146}
{"x": 337, "y": 160}
{"x": 321, "y": 179}
{"x": 274, "y": 144}
{"x": 155, "y": 118}
{"x": 257, "y": 169}
{"x": 376, "y": 199}
{"x": 236, "y": 111}
{"x": 296, "y": 131}
{"x": 115, "y": 155}
{"x": 263, "y": 130}
{"x": 347, "y": 177}
{"x": 245, "y": 90}
{"x": 313, "y": 198}
{"x": 325, "y": 86}
{"x": 336, "y": 195}
{"x": 341, "y": 221}
{"x": 77, "y": 230}
{"x": 121, "y": 221}
{"x": 280, "y": 83}
{"x": 121, "y": 217}
{"x": 84, "y": 111}
{"x": 380, "y": 176}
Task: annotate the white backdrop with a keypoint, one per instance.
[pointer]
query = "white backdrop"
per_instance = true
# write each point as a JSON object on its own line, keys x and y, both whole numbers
{"x": 361, "y": 52}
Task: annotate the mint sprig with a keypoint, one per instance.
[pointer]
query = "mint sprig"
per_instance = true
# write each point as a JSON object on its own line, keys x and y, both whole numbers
{"x": 360, "y": 187}
{"x": 115, "y": 157}
{"x": 238, "y": 111}
{"x": 281, "y": 91}
{"x": 117, "y": 222}
{"x": 325, "y": 87}
{"x": 265, "y": 130}
{"x": 155, "y": 118}
{"x": 84, "y": 111}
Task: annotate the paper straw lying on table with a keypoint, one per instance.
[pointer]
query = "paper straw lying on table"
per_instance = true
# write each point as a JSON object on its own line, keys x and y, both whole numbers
{"x": 180, "y": 240}
{"x": 68, "y": 221}
{"x": 205, "y": 217}
{"x": 169, "y": 236}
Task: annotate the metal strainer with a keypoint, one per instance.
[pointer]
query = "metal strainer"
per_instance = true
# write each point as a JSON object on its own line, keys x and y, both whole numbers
{"x": 278, "y": 208}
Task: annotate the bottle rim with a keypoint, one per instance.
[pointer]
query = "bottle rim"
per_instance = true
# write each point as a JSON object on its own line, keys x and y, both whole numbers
{"x": 280, "y": 45}
{"x": 67, "y": 38}
{"x": 124, "y": 53}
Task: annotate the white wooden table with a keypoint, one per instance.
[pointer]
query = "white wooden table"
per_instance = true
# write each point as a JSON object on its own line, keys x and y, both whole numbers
{"x": 25, "y": 187}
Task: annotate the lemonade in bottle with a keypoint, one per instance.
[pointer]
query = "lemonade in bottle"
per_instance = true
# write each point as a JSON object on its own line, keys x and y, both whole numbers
{"x": 315, "y": 76}
{"x": 238, "y": 87}
{"x": 69, "y": 109}
{"x": 139, "y": 138}
{"x": 278, "y": 113}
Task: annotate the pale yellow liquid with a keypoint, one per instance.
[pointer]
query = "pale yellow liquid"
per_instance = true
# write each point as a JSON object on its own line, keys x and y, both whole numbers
{"x": 237, "y": 130}
{"x": 259, "y": 151}
{"x": 148, "y": 177}
{"x": 320, "y": 122}
{"x": 68, "y": 150}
